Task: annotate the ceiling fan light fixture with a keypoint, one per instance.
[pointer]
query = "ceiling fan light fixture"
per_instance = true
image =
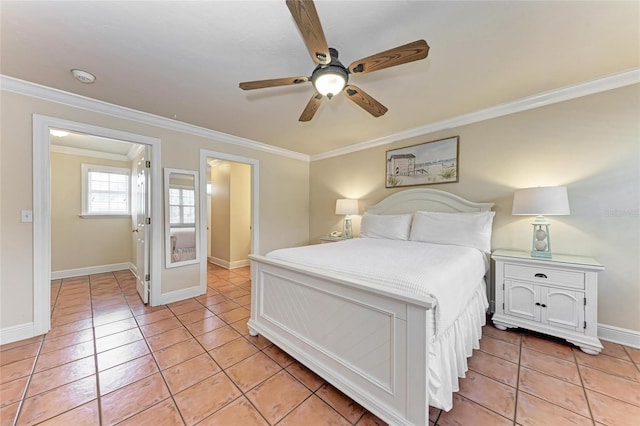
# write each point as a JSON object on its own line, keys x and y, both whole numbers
{"x": 330, "y": 80}
{"x": 331, "y": 77}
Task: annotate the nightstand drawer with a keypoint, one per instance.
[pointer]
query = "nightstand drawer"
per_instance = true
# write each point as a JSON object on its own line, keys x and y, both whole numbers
{"x": 545, "y": 275}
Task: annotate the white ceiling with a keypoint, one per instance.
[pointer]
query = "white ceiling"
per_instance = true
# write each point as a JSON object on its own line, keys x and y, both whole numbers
{"x": 187, "y": 58}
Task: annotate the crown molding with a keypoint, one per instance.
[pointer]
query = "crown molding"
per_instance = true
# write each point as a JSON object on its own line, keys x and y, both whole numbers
{"x": 27, "y": 88}
{"x": 610, "y": 82}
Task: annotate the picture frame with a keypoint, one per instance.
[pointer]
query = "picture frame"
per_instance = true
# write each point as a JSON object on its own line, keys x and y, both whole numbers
{"x": 426, "y": 163}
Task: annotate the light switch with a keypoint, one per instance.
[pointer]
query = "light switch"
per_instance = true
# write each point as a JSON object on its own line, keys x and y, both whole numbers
{"x": 26, "y": 216}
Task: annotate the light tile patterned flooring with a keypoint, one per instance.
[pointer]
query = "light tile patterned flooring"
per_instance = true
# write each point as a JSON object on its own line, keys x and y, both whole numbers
{"x": 109, "y": 359}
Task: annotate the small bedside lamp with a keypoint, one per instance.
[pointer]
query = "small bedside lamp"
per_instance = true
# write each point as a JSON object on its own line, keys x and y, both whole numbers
{"x": 544, "y": 200}
{"x": 347, "y": 207}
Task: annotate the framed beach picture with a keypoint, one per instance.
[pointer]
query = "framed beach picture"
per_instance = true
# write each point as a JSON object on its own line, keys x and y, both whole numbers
{"x": 423, "y": 164}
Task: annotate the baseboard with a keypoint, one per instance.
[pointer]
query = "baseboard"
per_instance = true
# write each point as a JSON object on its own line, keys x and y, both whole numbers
{"x": 178, "y": 295}
{"x": 239, "y": 264}
{"x": 228, "y": 265}
{"x": 68, "y": 273}
{"x": 619, "y": 335}
{"x": 17, "y": 332}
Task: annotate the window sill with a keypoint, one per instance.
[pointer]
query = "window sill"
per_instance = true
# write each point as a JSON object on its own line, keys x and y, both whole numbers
{"x": 103, "y": 216}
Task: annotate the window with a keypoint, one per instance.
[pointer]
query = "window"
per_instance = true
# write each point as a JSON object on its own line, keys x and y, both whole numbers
{"x": 105, "y": 190}
{"x": 182, "y": 206}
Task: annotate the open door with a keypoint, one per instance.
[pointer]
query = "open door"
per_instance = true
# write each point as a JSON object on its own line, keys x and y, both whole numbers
{"x": 143, "y": 224}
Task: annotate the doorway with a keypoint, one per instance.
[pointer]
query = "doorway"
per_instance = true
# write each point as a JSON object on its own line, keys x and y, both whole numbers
{"x": 232, "y": 228}
{"x": 42, "y": 209}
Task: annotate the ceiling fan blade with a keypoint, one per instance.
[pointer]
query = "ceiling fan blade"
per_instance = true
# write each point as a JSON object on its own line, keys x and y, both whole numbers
{"x": 306, "y": 17}
{"x": 261, "y": 84}
{"x": 365, "y": 101}
{"x": 311, "y": 108}
{"x": 400, "y": 55}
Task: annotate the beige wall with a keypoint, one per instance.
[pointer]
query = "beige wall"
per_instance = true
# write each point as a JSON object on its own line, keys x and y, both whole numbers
{"x": 284, "y": 193}
{"x": 230, "y": 211}
{"x": 240, "y": 207}
{"x": 590, "y": 144}
{"x": 220, "y": 213}
{"x": 83, "y": 242}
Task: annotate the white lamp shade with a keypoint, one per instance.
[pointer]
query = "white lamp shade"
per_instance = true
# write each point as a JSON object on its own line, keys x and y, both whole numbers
{"x": 543, "y": 200}
{"x": 346, "y": 206}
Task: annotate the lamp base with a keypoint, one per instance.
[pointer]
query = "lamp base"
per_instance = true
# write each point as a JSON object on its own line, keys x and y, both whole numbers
{"x": 541, "y": 246}
{"x": 347, "y": 229}
{"x": 541, "y": 254}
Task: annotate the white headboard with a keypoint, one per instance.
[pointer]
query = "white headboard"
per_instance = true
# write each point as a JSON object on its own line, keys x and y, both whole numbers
{"x": 424, "y": 199}
{"x": 433, "y": 200}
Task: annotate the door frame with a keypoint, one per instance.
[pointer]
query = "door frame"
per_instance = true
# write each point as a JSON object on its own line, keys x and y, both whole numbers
{"x": 42, "y": 210}
{"x": 255, "y": 205}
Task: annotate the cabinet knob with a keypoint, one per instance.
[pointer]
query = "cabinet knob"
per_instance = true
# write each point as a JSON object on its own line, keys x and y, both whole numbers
{"x": 540, "y": 275}
{"x": 537, "y": 303}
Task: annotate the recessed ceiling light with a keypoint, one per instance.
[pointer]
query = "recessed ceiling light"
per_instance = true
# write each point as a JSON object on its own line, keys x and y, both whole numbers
{"x": 58, "y": 133}
{"x": 83, "y": 76}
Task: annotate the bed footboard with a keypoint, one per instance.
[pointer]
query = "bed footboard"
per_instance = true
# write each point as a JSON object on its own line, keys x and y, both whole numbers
{"x": 367, "y": 342}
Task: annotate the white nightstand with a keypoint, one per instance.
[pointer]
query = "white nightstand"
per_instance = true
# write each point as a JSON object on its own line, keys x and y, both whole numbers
{"x": 557, "y": 296}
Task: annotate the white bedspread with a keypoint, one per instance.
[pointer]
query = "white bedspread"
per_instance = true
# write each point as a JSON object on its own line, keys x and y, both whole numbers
{"x": 449, "y": 274}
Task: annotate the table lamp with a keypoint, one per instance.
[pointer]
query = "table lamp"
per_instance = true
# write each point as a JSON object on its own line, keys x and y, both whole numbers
{"x": 540, "y": 201}
{"x": 347, "y": 207}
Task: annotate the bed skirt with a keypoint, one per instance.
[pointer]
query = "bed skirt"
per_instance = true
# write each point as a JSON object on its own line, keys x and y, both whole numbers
{"x": 449, "y": 352}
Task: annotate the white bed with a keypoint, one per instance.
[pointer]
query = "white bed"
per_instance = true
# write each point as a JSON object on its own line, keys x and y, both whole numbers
{"x": 376, "y": 334}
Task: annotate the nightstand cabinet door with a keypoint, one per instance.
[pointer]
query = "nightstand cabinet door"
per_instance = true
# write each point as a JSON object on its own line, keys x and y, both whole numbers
{"x": 520, "y": 300}
{"x": 556, "y": 307}
{"x": 563, "y": 308}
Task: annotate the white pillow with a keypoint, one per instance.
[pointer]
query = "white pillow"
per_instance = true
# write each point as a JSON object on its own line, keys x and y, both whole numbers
{"x": 389, "y": 226}
{"x": 459, "y": 229}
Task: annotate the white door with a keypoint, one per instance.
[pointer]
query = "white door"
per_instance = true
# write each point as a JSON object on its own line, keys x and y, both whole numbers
{"x": 143, "y": 224}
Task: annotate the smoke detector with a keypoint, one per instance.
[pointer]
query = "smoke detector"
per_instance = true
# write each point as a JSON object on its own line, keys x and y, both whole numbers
{"x": 84, "y": 76}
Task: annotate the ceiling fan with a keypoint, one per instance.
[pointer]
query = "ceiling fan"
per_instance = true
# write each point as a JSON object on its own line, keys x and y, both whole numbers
{"x": 331, "y": 77}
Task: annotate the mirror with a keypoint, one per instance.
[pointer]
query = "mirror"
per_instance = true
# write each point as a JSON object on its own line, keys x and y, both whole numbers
{"x": 181, "y": 217}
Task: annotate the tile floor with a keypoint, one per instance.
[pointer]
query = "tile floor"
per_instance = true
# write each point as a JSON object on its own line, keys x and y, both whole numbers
{"x": 109, "y": 359}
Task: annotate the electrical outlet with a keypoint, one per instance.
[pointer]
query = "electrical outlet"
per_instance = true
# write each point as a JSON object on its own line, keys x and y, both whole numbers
{"x": 26, "y": 216}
